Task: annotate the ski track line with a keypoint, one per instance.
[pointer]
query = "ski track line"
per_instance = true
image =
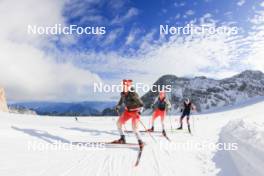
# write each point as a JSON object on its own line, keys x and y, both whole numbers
{"x": 80, "y": 161}
{"x": 157, "y": 164}
{"x": 90, "y": 165}
{"x": 159, "y": 155}
{"x": 86, "y": 167}
{"x": 171, "y": 158}
{"x": 83, "y": 166}
{"x": 45, "y": 170}
{"x": 102, "y": 167}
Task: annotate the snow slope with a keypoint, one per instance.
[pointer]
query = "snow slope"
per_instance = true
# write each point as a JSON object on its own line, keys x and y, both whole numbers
{"x": 249, "y": 158}
{"x": 242, "y": 125}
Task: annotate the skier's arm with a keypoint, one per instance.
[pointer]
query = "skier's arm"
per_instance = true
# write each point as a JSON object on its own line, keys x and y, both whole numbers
{"x": 168, "y": 103}
{"x": 138, "y": 99}
{"x": 154, "y": 103}
{"x": 181, "y": 107}
{"x": 120, "y": 102}
{"x": 193, "y": 107}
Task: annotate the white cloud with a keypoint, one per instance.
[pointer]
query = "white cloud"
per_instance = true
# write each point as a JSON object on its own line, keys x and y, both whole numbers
{"x": 255, "y": 58}
{"x": 241, "y": 2}
{"x": 178, "y": 16}
{"x": 189, "y": 12}
{"x": 112, "y": 36}
{"x": 208, "y": 55}
{"x": 27, "y": 71}
{"x": 180, "y": 56}
{"x": 132, "y": 36}
{"x": 121, "y": 19}
{"x": 116, "y": 4}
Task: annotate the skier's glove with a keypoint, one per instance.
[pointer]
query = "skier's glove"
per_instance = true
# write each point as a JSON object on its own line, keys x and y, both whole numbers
{"x": 117, "y": 108}
{"x": 140, "y": 110}
{"x": 181, "y": 110}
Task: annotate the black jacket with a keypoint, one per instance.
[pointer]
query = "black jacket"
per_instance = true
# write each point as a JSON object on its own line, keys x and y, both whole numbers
{"x": 131, "y": 100}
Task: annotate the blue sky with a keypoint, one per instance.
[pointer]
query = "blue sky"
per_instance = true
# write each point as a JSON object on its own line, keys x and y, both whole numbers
{"x": 63, "y": 68}
{"x": 144, "y": 17}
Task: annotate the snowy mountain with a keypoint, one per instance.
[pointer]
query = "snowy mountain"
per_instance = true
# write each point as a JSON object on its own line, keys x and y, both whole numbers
{"x": 62, "y": 109}
{"x": 46, "y": 146}
{"x": 208, "y": 94}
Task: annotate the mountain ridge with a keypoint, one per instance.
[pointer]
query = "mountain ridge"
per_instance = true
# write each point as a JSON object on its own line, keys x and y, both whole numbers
{"x": 208, "y": 93}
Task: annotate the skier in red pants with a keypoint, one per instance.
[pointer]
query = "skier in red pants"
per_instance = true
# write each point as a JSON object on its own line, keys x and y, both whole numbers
{"x": 161, "y": 104}
{"x": 133, "y": 107}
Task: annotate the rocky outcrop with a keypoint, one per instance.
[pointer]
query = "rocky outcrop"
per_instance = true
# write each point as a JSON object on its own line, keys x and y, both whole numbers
{"x": 3, "y": 103}
{"x": 208, "y": 93}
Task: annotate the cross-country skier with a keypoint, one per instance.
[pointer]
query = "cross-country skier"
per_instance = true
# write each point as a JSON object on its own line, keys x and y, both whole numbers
{"x": 186, "y": 109}
{"x": 133, "y": 107}
{"x": 161, "y": 105}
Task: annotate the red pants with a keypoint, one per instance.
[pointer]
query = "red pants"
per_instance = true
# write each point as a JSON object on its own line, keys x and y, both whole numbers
{"x": 134, "y": 115}
{"x": 158, "y": 113}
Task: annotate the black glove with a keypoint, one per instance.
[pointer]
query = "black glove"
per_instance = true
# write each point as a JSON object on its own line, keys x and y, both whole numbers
{"x": 117, "y": 108}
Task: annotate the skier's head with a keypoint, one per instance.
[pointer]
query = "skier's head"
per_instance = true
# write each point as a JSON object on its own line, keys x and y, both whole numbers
{"x": 127, "y": 84}
{"x": 187, "y": 100}
{"x": 161, "y": 94}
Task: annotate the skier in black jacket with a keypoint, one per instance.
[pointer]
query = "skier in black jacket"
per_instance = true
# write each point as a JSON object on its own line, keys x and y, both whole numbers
{"x": 133, "y": 107}
{"x": 186, "y": 109}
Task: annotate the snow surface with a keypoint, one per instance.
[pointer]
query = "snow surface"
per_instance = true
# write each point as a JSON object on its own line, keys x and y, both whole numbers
{"x": 244, "y": 126}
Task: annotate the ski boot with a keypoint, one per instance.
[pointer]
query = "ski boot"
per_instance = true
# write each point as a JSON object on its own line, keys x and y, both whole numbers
{"x": 180, "y": 128}
{"x": 151, "y": 129}
{"x": 164, "y": 133}
{"x": 141, "y": 144}
{"x": 122, "y": 140}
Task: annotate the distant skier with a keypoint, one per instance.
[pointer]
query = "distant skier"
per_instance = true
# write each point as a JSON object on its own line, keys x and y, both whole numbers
{"x": 161, "y": 105}
{"x": 76, "y": 119}
{"x": 186, "y": 109}
{"x": 133, "y": 106}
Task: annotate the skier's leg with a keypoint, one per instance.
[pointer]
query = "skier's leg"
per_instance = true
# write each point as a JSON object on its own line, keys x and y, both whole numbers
{"x": 187, "y": 120}
{"x": 181, "y": 122}
{"x": 188, "y": 123}
{"x": 154, "y": 116}
{"x": 121, "y": 121}
{"x": 162, "y": 116}
{"x": 135, "y": 123}
{"x": 119, "y": 128}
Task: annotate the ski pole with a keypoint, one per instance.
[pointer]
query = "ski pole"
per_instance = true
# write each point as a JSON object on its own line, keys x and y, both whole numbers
{"x": 193, "y": 124}
{"x": 170, "y": 120}
{"x": 147, "y": 131}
